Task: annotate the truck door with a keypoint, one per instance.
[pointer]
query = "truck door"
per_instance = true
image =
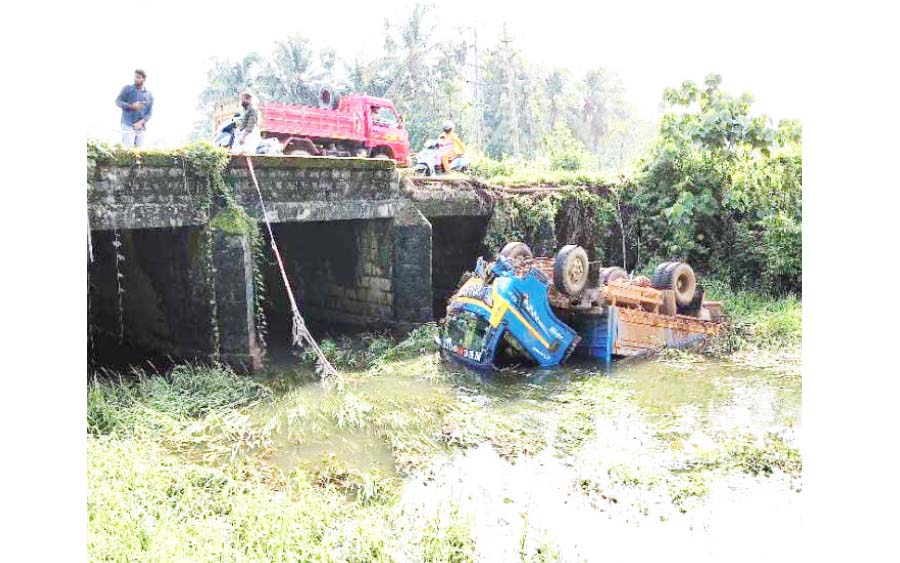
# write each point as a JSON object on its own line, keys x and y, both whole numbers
{"x": 384, "y": 127}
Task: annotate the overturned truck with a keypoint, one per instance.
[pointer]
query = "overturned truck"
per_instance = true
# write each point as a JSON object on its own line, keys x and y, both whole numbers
{"x": 540, "y": 309}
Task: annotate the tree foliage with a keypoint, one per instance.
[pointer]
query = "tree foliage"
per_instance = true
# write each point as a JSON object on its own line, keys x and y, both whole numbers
{"x": 721, "y": 188}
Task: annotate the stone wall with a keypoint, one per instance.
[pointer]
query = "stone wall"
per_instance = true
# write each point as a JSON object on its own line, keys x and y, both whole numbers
{"x": 150, "y": 295}
{"x": 317, "y": 189}
{"x": 158, "y": 193}
{"x": 341, "y": 270}
{"x": 411, "y": 236}
{"x": 161, "y": 191}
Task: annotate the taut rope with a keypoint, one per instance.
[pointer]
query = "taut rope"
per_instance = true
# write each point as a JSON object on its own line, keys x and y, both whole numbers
{"x": 300, "y": 334}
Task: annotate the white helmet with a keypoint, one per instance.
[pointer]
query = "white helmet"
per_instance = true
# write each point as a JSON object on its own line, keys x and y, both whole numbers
{"x": 448, "y": 125}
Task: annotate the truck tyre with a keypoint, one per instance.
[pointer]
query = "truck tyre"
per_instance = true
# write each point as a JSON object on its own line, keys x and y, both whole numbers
{"x": 382, "y": 152}
{"x": 678, "y": 277}
{"x": 612, "y": 274}
{"x": 658, "y": 272}
{"x": 516, "y": 251}
{"x": 299, "y": 152}
{"x": 328, "y": 97}
{"x": 570, "y": 270}
{"x": 693, "y": 308}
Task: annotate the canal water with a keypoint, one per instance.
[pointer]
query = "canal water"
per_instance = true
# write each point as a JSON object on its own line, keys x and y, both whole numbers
{"x": 676, "y": 456}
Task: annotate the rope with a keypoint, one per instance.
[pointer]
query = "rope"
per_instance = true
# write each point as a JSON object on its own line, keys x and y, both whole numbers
{"x": 299, "y": 332}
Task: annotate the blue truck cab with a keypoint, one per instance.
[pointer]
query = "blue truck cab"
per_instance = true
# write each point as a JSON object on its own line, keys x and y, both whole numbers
{"x": 495, "y": 306}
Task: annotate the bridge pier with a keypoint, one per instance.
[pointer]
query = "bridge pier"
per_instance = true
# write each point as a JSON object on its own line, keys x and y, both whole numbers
{"x": 411, "y": 279}
{"x": 234, "y": 290}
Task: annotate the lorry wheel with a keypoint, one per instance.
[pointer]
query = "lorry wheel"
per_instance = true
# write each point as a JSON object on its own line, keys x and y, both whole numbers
{"x": 516, "y": 251}
{"x": 299, "y": 152}
{"x": 678, "y": 277}
{"x": 659, "y": 271}
{"x": 611, "y": 274}
{"x": 570, "y": 270}
{"x": 695, "y": 306}
{"x": 328, "y": 97}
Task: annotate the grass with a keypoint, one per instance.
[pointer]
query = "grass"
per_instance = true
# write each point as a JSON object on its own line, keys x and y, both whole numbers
{"x": 177, "y": 471}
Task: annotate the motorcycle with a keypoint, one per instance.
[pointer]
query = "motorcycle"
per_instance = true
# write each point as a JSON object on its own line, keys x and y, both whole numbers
{"x": 428, "y": 160}
{"x": 225, "y": 138}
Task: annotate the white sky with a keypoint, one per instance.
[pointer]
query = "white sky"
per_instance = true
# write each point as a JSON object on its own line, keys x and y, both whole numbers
{"x": 651, "y": 45}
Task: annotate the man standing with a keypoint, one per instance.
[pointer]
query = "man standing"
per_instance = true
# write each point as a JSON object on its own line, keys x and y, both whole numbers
{"x": 453, "y": 146}
{"x": 248, "y": 135}
{"x": 137, "y": 106}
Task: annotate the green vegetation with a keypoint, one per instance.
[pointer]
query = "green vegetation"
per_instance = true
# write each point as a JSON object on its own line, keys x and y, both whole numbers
{"x": 759, "y": 321}
{"x": 720, "y": 188}
{"x": 182, "y": 466}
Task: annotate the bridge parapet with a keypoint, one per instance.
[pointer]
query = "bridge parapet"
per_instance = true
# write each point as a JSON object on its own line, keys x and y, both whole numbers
{"x": 318, "y": 188}
{"x": 163, "y": 191}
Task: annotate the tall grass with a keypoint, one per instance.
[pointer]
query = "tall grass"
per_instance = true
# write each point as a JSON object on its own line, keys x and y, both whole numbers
{"x": 759, "y": 320}
{"x": 165, "y": 483}
{"x": 122, "y": 406}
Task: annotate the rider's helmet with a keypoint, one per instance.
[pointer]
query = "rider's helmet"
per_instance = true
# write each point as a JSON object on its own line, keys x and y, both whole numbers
{"x": 448, "y": 125}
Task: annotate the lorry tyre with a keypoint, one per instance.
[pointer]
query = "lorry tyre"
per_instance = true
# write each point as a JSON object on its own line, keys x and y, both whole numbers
{"x": 328, "y": 97}
{"x": 299, "y": 152}
{"x": 612, "y": 274}
{"x": 680, "y": 278}
{"x": 570, "y": 270}
{"x": 660, "y": 278}
{"x": 516, "y": 251}
{"x": 658, "y": 272}
{"x": 693, "y": 308}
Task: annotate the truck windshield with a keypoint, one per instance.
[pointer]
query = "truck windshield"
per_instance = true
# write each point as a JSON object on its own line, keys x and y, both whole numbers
{"x": 384, "y": 116}
{"x": 468, "y": 331}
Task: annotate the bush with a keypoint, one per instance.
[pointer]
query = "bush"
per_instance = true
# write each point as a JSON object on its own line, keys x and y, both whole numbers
{"x": 566, "y": 152}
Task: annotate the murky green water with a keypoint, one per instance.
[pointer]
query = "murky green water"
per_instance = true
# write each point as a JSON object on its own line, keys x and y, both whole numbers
{"x": 577, "y": 458}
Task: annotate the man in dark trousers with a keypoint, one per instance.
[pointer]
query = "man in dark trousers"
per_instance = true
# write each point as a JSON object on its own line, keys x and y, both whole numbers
{"x": 137, "y": 106}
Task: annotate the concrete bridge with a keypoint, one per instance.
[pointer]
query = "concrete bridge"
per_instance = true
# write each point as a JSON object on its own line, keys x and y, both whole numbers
{"x": 174, "y": 273}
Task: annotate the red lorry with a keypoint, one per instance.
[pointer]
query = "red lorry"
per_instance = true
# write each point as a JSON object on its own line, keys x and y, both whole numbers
{"x": 351, "y": 125}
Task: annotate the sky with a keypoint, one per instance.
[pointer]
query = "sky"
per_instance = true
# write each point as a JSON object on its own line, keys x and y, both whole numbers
{"x": 651, "y": 45}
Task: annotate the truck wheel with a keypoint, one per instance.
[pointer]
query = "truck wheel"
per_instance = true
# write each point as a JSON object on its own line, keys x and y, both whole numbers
{"x": 328, "y": 97}
{"x": 611, "y": 274}
{"x": 299, "y": 152}
{"x": 659, "y": 271}
{"x": 678, "y": 277}
{"x": 570, "y": 270}
{"x": 516, "y": 251}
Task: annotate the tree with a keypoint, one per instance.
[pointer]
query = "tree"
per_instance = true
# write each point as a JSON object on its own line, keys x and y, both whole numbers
{"x": 729, "y": 185}
{"x": 226, "y": 80}
{"x": 291, "y": 75}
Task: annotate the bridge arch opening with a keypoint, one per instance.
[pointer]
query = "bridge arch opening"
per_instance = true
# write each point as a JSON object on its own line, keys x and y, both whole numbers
{"x": 457, "y": 242}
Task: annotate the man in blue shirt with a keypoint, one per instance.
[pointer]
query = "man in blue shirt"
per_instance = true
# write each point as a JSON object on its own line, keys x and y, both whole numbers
{"x": 137, "y": 106}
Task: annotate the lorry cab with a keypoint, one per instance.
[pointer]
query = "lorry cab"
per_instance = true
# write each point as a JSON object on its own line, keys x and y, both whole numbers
{"x": 385, "y": 134}
{"x": 496, "y": 310}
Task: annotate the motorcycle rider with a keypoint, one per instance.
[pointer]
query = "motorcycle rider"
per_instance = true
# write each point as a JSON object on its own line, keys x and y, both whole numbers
{"x": 454, "y": 147}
